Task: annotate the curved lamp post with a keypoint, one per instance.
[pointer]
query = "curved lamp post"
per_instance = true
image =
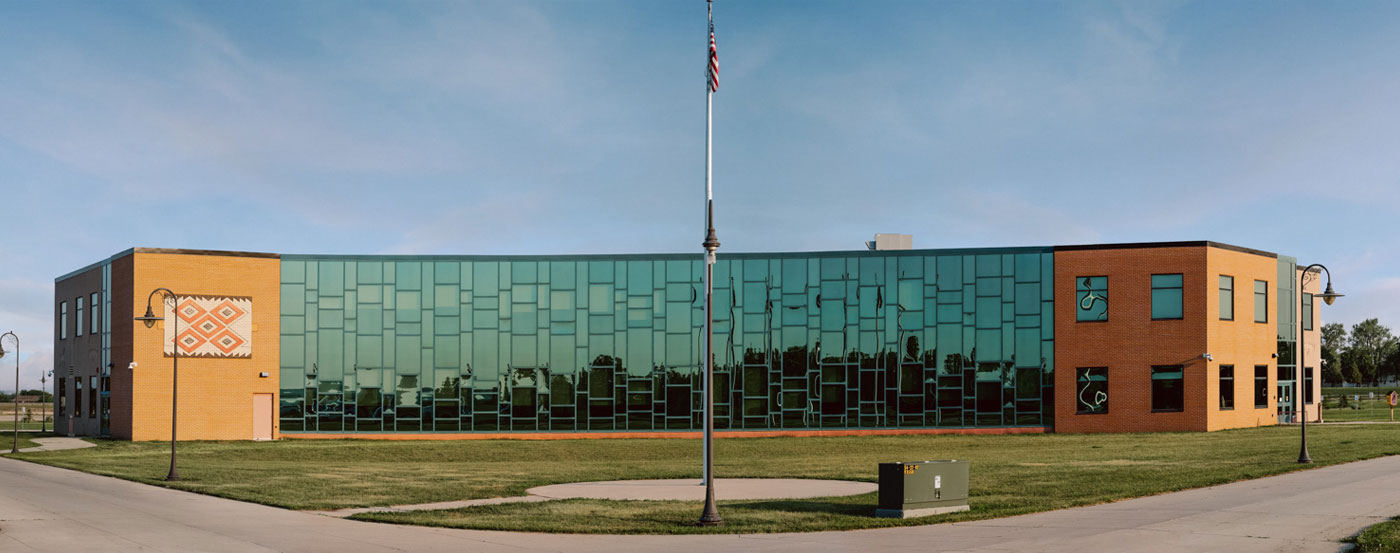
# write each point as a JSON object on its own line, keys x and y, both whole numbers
{"x": 1328, "y": 296}
{"x": 14, "y": 448}
{"x": 150, "y": 320}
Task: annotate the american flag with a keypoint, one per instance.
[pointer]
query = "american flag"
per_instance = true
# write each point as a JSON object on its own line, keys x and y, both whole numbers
{"x": 713, "y": 71}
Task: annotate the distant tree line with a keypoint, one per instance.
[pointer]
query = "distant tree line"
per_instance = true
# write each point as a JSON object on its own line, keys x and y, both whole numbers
{"x": 46, "y": 397}
{"x": 1367, "y": 355}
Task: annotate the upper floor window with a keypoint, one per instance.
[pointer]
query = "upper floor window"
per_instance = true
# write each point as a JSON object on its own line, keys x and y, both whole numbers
{"x": 78, "y": 316}
{"x": 1166, "y": 296}
{"x": 1261, "y": 301}
{"x": 63, "y": 320}
{"x": 1307, "y": 311}
{"x": 1227, "y": 298}
{"x": 1091, "y": 295}
{"x": 94, "y": 325}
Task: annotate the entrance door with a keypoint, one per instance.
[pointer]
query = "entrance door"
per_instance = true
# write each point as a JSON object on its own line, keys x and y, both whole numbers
{"x": 1285, "y": 401}
{"x": 262, "y": 416}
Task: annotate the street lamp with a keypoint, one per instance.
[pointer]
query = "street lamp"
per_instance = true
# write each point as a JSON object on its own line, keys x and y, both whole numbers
{"x": 1328, "y": 296}
{"x": 150, "y": 320}
{"x": 44, "y": 389}
{"x": 15, "y": 447}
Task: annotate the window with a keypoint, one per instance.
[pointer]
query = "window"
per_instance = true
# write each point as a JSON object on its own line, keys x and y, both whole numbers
{"x": 93, "y": 324}
{"x": 1307, "y": 311}
{"x": 1261, "y": 301}
{"x": 1227, "y": 387}
{"x": 1091, "y": 390}
{"x": 1092, "y": 297}
{"x": 77, "y": 397}
{"x": 1166, "y": 388}
{"x": 1261, "y": 386}
{"x": 92, "y": 397}
{"x": 1227, "y": 298}
{"x": 63, "y": 320}
{"x": 1166, "y": 296}
{"x": 78, "y": 316}
{"x": 1307, "y": 385}
{"x": 62, "y": 396}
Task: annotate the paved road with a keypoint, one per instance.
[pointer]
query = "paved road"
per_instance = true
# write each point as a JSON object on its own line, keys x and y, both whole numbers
{"x": 48, "y": 509}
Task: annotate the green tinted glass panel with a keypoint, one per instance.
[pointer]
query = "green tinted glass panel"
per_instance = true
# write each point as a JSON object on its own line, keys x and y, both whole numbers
{"x": 1091, "y": 298}
{"x": 1227, "y": 298}
{"x": 1261, "y": 301}
{"x": 1166, "y": 296}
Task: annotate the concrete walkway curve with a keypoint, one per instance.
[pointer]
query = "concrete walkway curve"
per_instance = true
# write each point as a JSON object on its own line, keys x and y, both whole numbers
{"x": 57, "y": 444}
{"x": 47, "y": 509}
{"x": 663, "y": 490}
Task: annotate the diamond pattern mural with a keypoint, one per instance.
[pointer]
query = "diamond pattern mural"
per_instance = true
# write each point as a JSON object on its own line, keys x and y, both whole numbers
{"x": 210, "y": 326}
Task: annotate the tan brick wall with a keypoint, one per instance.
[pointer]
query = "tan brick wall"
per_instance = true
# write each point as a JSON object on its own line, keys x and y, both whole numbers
{"x": 216, "y": 395}
{"x": 1241, "y": 342}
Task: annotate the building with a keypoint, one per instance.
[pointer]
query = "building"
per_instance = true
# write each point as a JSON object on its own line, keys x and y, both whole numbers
{"x": 1146, "y": 337}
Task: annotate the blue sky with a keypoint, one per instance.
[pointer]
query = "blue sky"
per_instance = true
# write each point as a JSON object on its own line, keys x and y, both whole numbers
{"x": 578, "y": 127}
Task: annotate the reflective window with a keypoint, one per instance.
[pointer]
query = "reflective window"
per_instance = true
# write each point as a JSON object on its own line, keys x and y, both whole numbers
{"x": 1092, "y": 390}
{"x": 1227, "y": 387}
{"x": 1261, "y": 301}
{"x": 1308, "y": 385}
{"x": 1167, "y": 390}
{"x": 1091, "y": 293}
{"x": 78, "y": 316}
{"x": 93, "y": 326}
{"x": 1307, "y": 311}
{"x": 62, "y": 396}
{"x": 1261, "y": 386}
{"x": 847, "y": 340}
{"x": 63, "y": 320}
{"x": 1166, "y": 296}
{"x": 1227, "y": 298}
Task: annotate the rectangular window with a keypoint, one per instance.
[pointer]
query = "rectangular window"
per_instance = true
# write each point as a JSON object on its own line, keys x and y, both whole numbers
{"x": 1227, "y": 298}
{"x": 1308, "y": 385}
{"x": 1261, "y": 386}
{"x": 92, "y": 397}
{"x": 78, "y": 316}
{"x": 1091, "y": 390}
{"x": 62, "y": 396}
{"x": 1166, "y": 296}
{"x": 1307, "y": 311}
{"x": 92, "y": 306}
{"x": 1167, "y": 393}
{"x": 1261, "y": 301}
{"x": 1227, "y": 387}
{"x": 63, "y": 320}
{"x": 77, "y": 397}
{"x": 1091, "y": 295}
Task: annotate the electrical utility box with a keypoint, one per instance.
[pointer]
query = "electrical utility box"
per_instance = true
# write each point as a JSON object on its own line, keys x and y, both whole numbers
{"x": 922, "y": 488}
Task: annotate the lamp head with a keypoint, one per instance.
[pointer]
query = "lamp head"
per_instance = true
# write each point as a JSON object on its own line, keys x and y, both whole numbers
{"x": 1328, "y": 296}
{"x": 2, "y": 349}
{"x": 149, "y": 318}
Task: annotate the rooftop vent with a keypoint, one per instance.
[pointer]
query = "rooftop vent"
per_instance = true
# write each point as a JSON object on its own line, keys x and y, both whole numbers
{"x": 884, "y": 241}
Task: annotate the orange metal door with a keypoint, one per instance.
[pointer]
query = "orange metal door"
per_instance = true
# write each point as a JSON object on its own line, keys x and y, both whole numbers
{"x": 262, "y": 416}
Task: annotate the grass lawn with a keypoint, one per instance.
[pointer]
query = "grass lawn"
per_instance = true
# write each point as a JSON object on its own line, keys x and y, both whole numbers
{"x": 1381, "y": 538}
{"x": 1363, "y": 409}
{"x": 1010, "y": 474}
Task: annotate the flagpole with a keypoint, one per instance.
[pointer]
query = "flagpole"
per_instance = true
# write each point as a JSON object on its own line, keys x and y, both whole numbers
{"x": 710, "y": 517}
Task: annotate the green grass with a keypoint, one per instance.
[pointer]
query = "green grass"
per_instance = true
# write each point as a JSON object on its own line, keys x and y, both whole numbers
{"x": 1364, "y": 409}
{"x": 26, "y": 439}
{"x": 1010, "y": 474}
{"x": 1381, "y": 538}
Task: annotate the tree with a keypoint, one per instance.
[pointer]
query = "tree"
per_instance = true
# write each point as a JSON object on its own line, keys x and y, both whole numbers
{"x": 1370, "y": 343}
{"x": 1334, "y": 338}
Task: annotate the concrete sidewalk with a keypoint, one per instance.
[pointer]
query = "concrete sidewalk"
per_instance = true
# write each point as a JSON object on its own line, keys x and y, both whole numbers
{"x": 52, "y": 510}
{"x": 57, "y": 444}
{"x": 663, "y": 490}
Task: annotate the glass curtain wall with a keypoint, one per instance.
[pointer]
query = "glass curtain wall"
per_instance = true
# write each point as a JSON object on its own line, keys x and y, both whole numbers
{"x": 914, "y": 339}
